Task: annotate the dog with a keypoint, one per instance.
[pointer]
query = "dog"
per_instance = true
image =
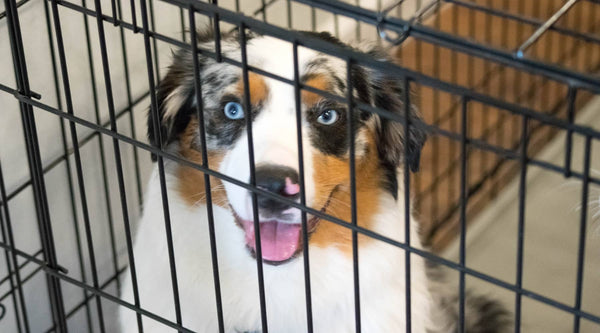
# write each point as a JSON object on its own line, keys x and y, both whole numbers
{"x": 379, "y": 145}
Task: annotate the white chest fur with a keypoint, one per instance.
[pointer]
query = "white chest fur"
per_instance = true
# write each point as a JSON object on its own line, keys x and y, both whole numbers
{"x": 381, "y": 269}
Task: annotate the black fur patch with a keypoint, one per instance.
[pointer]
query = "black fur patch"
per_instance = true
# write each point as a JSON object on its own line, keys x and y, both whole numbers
{"x": 220, "y": 131}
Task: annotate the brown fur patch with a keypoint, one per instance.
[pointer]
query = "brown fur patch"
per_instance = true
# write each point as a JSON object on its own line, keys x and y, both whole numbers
{"x": 191, "y": 181}
{"x": 330, "y": 172}
{"x": 258, "y": 88}
{"x": 318, "y": 81}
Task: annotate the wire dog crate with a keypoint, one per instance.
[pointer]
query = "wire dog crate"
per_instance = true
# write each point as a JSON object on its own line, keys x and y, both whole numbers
{"x": 497, "y": 82}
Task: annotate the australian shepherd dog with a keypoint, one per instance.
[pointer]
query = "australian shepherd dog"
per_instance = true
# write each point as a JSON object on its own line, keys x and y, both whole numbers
{"x": 380, "y": 153}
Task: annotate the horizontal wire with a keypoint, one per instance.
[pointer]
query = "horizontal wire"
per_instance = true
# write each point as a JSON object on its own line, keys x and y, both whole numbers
{"x": 81, "y": 304}
{"x": 19, "y": 4}
{"x": 318, "y": 44}
{"x": 62, "y": 157}
{"x": 588, "y": 37}
{"x": 96, "y": 292}
{"x": 366, "y": 60}
{"x": 320, "y": 214}
{"x": 426, "y": 34}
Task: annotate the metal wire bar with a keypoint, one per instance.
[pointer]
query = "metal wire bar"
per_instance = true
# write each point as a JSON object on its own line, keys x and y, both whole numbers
{"x": 521, "y": 219}
{"x": 34, "y": 162}
{"x": 25, "y": 279}
{"x": 19, "y": 4}
{"x": 95, "y": 291}
{"x": 353, "y": 208}
{"x": 305, "y": 253}
{"x": 568, "y": 125}
{"x": 463, "y": 212}
{"x": 582, "y": 230}
{"x": 82, "y": 272}
{"x": 364, "y": 60}
{"x": 207, "y": 187}
{"x": 64, "y": 157}
{"x": 257, "y": 241}
{"x": 571, "y": 95}
{"x": 155, "y": 116}
{"x": 78, "y": 166}
{"x": 407, "y": 218}
{"x": 427, "y": 255}
{"x": 450, "y": 41}
{"x": 504, "y": 153}
{"x": 11, "y": 261}
{"x": 542, "y": 29}
{"x": 103, "y": 169}
{"x": 588, "y": 37}
{"x": 87, "y": 299}
{"x": 8, "y": 277}
{"x": 130, "y": 103}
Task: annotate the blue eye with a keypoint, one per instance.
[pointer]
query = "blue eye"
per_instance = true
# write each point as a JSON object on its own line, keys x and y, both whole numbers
{"x": 328, "y": 117}
{"x": 233, "y": 110}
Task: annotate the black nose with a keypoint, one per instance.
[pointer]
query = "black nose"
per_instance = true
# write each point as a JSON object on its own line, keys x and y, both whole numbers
{"x": 278, "y": 179}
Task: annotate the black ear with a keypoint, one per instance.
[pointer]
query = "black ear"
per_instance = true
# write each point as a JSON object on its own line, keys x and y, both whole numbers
{"x": 387, "y": 93}
{"x": 175, "y": 95}
{"x": 174, "y": 100}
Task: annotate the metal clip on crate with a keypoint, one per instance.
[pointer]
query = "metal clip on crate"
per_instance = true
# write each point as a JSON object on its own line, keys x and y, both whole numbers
{"x": 401, "y": 37}
{"x": 520, "y": 53}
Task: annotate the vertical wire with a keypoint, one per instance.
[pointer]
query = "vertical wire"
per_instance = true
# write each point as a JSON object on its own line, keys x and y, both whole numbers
{"x": 298, "y": 104}
{"x": 463, "y": 211}
{"x": 126, "y": 222}
{"x": 521, "y": 229}
{"x": 502, "y": 91}
{"x": 161, "y": 167}
{"x": 78, "y": 164}
{"x": 182, "y": 24}
{"x": 264, "y": 10}
{"x": 357, "y": 22}
{"x": 548, "y": 47}
{"x": 247, "y": 106}
{"x": 114, "y": 12}
{"x": 154, "y": 42}
{"x": 517, "y": 80}
{"x": 289, "y": 13}
{"x": 487, "y": 68}
{"x": 571, "y": 95}
{"x": 11, "y": 282}
{"x": 453, "y": 118}
{"x": 109, "y": 210}
{"x": 35, "y": 166}
{"x": 435, "y": 163}
{"x": 217, "y": 29}
{"x": 13, "y": 256}
{"x": 136, "y": 29}
{"x": 313, "y": 19}
{"x": 207, "y": 186}
{"x": 353, "y": 208}
{"x": 136, "y": 161}
{"x": 407, "y": 270}
{"x": 582, "y": 231}
{"x": 69, "y": 171}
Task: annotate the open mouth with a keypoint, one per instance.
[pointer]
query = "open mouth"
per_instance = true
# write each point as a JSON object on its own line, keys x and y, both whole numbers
{"x": 280, "y": 241}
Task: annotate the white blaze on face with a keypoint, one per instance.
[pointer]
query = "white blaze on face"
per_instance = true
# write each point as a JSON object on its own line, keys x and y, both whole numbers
{"x": 274, "y": 129}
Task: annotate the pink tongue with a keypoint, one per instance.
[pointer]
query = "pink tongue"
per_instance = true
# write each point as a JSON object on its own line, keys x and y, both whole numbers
{"x": 279, "y": 241}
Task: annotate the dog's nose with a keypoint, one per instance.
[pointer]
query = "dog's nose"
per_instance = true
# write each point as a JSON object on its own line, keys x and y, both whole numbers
{"x": 278, "y": 179}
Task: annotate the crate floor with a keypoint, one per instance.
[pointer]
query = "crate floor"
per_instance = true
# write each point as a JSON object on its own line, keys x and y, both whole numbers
{"x": 551, "y": 239}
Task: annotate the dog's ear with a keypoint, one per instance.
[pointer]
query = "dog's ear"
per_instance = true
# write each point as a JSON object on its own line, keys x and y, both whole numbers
{"x": 387, "y": 92}
{"x": 175, "y": 98}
